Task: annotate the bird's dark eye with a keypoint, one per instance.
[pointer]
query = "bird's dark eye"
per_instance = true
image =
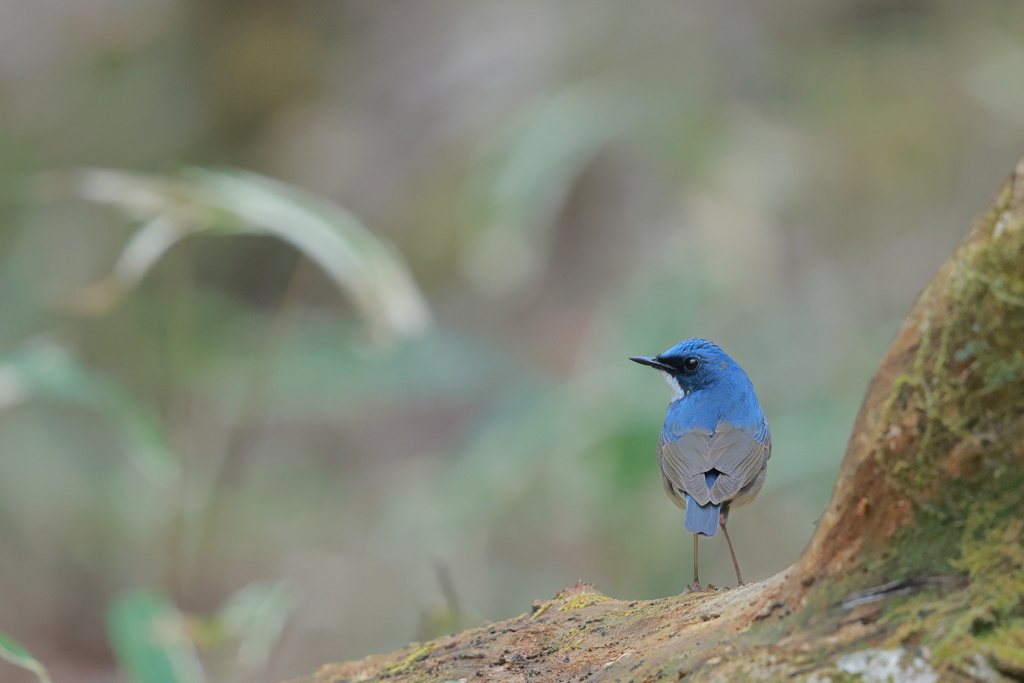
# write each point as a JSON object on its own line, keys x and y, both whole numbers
{"x": 690, "y": 363}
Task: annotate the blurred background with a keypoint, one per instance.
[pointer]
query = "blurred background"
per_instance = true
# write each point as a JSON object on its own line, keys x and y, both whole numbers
{"x": 249, "y": 426}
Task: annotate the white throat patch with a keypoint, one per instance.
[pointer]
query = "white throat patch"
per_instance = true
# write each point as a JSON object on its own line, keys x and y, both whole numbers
{"x": 677, "y": 391}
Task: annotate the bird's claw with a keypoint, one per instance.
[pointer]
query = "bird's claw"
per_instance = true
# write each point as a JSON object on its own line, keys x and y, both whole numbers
{"x": 695, "y": 587}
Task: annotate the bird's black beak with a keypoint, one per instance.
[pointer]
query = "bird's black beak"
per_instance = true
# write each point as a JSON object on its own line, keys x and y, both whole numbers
{"x": 651, "y": 361}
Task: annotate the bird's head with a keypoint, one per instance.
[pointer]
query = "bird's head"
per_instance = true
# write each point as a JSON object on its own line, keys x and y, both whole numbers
{"x": 693, "y": 365}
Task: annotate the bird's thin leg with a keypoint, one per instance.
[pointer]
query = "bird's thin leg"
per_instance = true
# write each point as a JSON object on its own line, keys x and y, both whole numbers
{"x": 735, "y": 564}
{"x": 695, "y": 586}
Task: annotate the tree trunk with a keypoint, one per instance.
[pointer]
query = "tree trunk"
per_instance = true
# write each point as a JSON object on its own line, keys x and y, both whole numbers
{"x": 916, "y": 567}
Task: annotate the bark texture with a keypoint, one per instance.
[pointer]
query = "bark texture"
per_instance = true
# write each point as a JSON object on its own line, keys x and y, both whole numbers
{"x": 916, "y": 568}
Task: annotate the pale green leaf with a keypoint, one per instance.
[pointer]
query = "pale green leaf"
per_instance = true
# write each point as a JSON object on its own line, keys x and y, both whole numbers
{"x": 256, "y": 616}
{"x": 525, "y": 178}
{"x": 150, "y": 640}
{"x": 14, "y": 653}
{"x": 364, "y": 266}
{"x": 43, "y": 370}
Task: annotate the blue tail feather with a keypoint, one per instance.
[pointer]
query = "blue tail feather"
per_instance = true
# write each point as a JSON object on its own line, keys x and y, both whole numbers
{"x": 703, "y": 519}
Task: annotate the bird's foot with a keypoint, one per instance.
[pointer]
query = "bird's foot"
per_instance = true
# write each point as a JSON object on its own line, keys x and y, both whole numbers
{"x": 727, "y": 588}
{"x": 694, "y": 587}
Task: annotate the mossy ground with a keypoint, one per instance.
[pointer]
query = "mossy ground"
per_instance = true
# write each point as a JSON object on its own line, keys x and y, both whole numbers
{"x": 961, "y": 408}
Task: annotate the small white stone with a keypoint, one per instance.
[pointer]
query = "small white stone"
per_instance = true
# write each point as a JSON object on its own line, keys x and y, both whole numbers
{"x": 876, "y": 665}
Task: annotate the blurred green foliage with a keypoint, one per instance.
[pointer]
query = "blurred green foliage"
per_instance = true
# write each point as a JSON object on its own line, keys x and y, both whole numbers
{"x": 19, "y": 656}
{"x": 149, "y": 638}
{"x": 198, "y": 430}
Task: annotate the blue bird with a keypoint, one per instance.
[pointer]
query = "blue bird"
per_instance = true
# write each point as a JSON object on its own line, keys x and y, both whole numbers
{"x": 715, "y": 443}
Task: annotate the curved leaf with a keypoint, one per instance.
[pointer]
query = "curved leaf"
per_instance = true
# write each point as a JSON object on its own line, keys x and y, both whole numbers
{"x": 45, "y": 370}
{"x": 14, "y": 653}
{"x": 365, "y": 267}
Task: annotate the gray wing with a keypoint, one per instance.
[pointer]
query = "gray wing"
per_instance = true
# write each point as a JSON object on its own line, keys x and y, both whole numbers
{"x": 683, "y": 464}
{"x": 739, "y": 455}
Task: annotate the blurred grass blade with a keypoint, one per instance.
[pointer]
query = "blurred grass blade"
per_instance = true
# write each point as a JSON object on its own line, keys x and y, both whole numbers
{"x": 19, "y": 656}
{"x": 45, "y": 370}
{"x": 144, "y": 249}
{"x": 365, "y": 267}
{"x": 150, "y": 640}
{"x": 256, "y": 616}
{"x": 525, "y": 178}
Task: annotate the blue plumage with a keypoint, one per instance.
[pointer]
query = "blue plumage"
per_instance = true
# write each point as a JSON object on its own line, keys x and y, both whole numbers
{"x": 703, "y": 519}
{"x": 715, "y": 443}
